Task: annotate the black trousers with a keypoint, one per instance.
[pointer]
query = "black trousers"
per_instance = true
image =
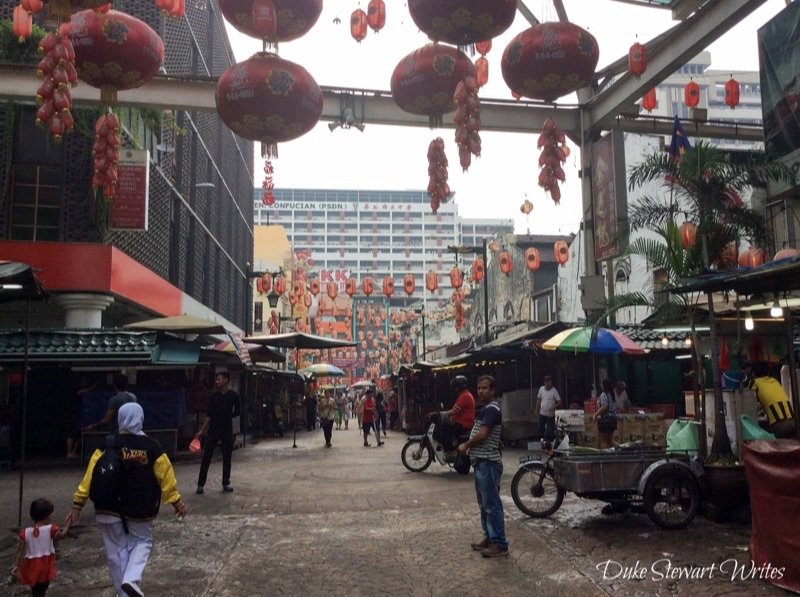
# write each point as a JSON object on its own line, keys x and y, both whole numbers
{"x": 327, "y": 429}
{"x": 210, "y": 443}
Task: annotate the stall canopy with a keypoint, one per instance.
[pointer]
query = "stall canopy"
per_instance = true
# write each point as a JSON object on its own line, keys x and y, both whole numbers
{"x": 19, "y": 283}
{"x": 178, "y": 324}
{"x": 298, "y": 340}
{"x": 773, "y": 277}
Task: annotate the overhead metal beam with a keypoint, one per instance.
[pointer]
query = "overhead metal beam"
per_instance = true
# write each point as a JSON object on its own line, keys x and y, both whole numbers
{"x": 690, "y": 38}
{"x": 526, "y": 12}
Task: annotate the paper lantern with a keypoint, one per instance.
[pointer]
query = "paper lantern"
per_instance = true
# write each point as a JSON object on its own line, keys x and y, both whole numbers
{"x": 431, "y": 281}
{"x": 266, "y": 282}
{"x": 506, "y": 264}
{"x": 526, "y": 207}
{"x": 478, "y": 269}
{"x": 376, "y": 15}
{"x": 550, "y": 60}
{"x": 114, "y": 51}
{"x": 280, "y": 284}
{"x": 308, "y": 299}
{"x": 409, "y": 284}
{"x": 637, "y": 59}
{"x": 367, "y": 286}
{"x": 314, "y": 286}
{"x": 462, "y": 22}
{"x": 691, "y": 94}
{"x": 294, "y": 18}
{"x": 298, "y": 288}
{"x": 268, "y": 99}
{"x": 561, "y": 252}
{"x": 388, "y": 286}
{"x": 649, "y": 100}
{"x": 533, "y": 259}
{"x": 350, "y": 286}
{"x": 732, "y": 93}
{"x": 425, "y": 80}
{"x": 456, "y": 277}
{"x": 786, "y": 253}
{"x": 688, "y": 233}
{"x": 358, "y": 25}
{"x": 21, "y": 24}
{"x": 752, "y": 257}
{"x": 332, "y": 290}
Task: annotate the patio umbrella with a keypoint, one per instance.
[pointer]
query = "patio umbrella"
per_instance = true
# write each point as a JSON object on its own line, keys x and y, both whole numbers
{"x": 595, "y": 340}
{"x": 258, "y": 353}
{"x": 179, "y": 324}
{"x": 323, "y": 370}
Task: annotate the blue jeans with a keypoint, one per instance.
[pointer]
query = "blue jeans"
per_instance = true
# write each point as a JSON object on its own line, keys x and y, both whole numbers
{"x": 487, "y": 489}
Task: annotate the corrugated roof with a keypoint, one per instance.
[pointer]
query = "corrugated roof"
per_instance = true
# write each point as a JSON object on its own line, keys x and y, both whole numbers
{"x": 66, "y": 345}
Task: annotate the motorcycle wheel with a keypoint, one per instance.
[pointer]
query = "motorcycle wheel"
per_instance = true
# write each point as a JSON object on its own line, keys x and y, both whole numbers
{"x": 671, "y": 497}
{"x": 416, "y": 455}
{"x": 535, "y": 499}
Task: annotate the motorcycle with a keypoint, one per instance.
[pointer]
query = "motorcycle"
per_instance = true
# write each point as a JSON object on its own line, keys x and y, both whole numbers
{"x": 420, "y": 451}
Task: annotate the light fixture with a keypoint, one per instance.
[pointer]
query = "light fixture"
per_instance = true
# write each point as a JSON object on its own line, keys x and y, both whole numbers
{"x": 205, "y": 185}
{"x": 688, "y": 341}
{"x": 748, "y": 322}
{"x": 272, "y": 299}
{"x": 664, "y": 341}
{"x": 776, "y": 310}
{"x": 11, "y": 286}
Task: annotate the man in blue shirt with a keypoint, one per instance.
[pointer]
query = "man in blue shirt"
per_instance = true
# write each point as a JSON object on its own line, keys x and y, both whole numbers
{"x": 483, "y": 447}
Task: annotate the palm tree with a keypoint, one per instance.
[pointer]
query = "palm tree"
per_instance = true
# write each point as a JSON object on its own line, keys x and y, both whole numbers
{"x": 705, "y": 186}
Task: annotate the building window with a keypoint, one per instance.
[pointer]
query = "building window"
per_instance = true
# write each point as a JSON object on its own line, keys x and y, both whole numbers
{"x": 35, "y": 202}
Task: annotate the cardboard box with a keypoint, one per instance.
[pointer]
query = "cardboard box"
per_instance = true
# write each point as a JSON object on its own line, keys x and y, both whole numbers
{"x": 655, "y": 431}
{"x": 573, "y": 418}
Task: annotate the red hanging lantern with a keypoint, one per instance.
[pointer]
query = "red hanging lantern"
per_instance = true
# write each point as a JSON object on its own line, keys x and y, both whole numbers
{"x": 533, "y": 259}
{"x": 314, "y": 286}
{"x": 431, "y": 281}
{"x": 688, "y": 233}
{"x": 786, "y": 253}
{"x": 266, "y": 281}
{"x": 388, "y": 286}
{"x": 376, "y": 14}
{"x": 409, "y": 284}
{"x": 260, "y": 286}
{"x": 732, "y": 93}
{"x": 649, "y": 100}
{"x": 32, "y": 6}
{"x": 332, "y": 290}
{"x": 550, "y": 60}
{"x": 691, "y": 94}
{"x": 280, "y": 284}
{"x": 478, "y": 269}
{"x": 456, "y": 278}
{"x": 506, "y": 264}
{"x": 350, "y": 286}
{"x": 22, "y": 24}
{"x": 308, "y": 299}
{"x": 293, "y": 18}
{"x": 367, "y": 286}
{"x": 358, "y": 25}
{"x": 114, "y": 51}
{"x": 637, "y": 59}
{"x": 752, "y": 257}
{"x": 483, "y": 47}
{"x": 561, "y": 252}
{"x": 462, "y": 22}
{"x": 298, "y": 288}
{"x": 424, "y": 81}
{"x": 268, "y": 99}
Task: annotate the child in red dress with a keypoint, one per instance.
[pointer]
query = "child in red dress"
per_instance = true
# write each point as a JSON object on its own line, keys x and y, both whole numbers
{"x": 36, "y": 554}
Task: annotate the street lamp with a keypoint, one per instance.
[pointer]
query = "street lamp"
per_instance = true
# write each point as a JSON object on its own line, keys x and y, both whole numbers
{"x": 479, "y": 250}
{"x": 272, "y": 297}
{"x": 421, "y": 313}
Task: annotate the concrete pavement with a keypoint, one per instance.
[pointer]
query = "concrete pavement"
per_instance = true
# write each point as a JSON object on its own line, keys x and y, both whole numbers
{"x": 352, "y": 521}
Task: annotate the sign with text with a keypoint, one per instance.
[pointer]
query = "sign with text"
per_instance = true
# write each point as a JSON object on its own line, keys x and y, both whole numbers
{"x": 609, "y": 197}
{"x": 129, "y": 207}
{"x": 241, "y": 349}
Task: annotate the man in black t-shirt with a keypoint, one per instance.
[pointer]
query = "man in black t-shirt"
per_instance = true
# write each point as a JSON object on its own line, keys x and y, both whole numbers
{"x": 223, "y": 406}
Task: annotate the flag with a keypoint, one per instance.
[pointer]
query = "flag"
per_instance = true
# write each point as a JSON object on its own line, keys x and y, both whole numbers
{"x": 680, "y": 142}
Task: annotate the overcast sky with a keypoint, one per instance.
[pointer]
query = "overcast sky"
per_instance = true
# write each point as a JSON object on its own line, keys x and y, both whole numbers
{"x": 390, "y": 157}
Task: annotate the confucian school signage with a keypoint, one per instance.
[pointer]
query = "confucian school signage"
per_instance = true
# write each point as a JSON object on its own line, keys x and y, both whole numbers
{"x": 130, "y": 204}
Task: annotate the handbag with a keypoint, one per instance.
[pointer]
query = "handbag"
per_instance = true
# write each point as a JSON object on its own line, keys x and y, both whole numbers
{"x": 195, "y": 447}
{"x": 607, "y": 423}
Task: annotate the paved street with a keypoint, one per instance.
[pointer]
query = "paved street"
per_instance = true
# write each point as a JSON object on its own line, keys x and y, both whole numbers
{"x": 352, "y": 521}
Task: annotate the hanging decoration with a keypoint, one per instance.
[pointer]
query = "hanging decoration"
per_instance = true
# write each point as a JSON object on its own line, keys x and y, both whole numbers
{"x": 786, "y": 253}
{"x": 332, "y": 290}
{"x": 308, "y": 300}
{"x": 456, "y": 277}
{"x": 552, "y": 142}
{"x": 298, "y": 288}
{"x": 533, "y": 259}
{"x": 376, "y": 15}
{"x": 478, "y": 269}
{"x": 280, "y": 284}
{"x": 550, "y": 60}
{"x": 438, "y": 188}
{"x": 467, "y": 120}
{"x": 114, "y": 51}
{"x": 457, "y": 298}
{"x": 314, "y": 286}
{"x": 527, "y": 208}
{"x": 260, "y": 286}
{"x": 367, "y": 286}
{"x": 637, "y": 59}
{"x": 425, "y": 80}
{"x": 388, "y": 286}
{"x": 266, "y": 282}
{"x": 174, "y": 8}
{"x": 105, "y": 152}
{"x": 350, "y": 286}
{"x": 691, "y": 94}
{"x": 462, "y": 22}
{"x": 21, "y": 23}
{"x": 732, "y": 93}
{"x": 506, "y": 264}
{"x": 688, "y": 234}
{"x": 409, "y": 285}
{"x": 293, "y": 18}
{"x": 482, "y": 63}
{"x": 649, "y": 100}
{"x": 58, "y": 73}
{"x": 358, "y": 25}
{"x": 431, "y": 281}
{"x": 268, "y": 185}
{"x": 561, "y": 252}
{"x": 752, "y": 257}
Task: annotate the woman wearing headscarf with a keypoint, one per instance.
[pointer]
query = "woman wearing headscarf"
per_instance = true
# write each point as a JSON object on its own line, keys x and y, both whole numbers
{"x": 146, "y": 478}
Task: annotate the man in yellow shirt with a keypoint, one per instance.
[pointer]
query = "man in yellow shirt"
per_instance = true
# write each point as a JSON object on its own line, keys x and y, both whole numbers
{"x": 774, "y": 401}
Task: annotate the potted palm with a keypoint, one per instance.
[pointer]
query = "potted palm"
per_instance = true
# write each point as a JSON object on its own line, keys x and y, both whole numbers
{"x": 694, "y": 231}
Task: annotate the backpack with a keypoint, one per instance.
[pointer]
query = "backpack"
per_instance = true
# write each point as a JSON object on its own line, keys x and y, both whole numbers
{"x": 105, "y": 488}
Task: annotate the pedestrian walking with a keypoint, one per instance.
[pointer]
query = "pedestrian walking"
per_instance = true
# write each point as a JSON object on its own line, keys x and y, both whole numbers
{"x": 391, "y": 408}
{"x": 547, "y": 401}
{"x": 35, "y": 562}
{"x": 340, "y": 402}
{"x": 145, "y": 478}
{"x": 122, "y": 396}
{"x": 483, "y": 447}
{"x": 368, "y": 416}
{"x": 380, "y": 419}
{"x": 327, "y": 413}
{"x": 217, "y": 428}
